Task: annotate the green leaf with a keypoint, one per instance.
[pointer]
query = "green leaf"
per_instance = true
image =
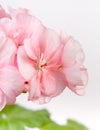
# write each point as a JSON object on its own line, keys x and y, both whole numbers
{"x": 54, "y": 126}
{"x": 71, "y": 125}
{"x": 75, "y": 125}
{"x": 17, "y": 118}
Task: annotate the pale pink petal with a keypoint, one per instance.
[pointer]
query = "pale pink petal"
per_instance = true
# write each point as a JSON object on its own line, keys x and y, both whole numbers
{"x": 73, "y": 75}
{"x": 30, "y": 27}
{"x": 76, "y": 78}
{"x": 72, "y": 53}
{"x": 36, "y": 44}
{"x": 9, "y": 75}
{"x": 60, "y": 82}
{"x": 13, "y": 12}
{"x": 10, "y": 94}
{"x": 2, "y": 100}
{"x": 25, "y": 64}
{"x": 11, "y": 83}
{"x": 28, "y": 19}
{"x": 52, "y": 42}
{"x": 3, "y": 14}
{"x": 7, "y": 26}
{"x": 56, "y": 57}
{"x": 29, "y": 50}
{"x": 84, "y": 75}
{"x": 80, "y": 92}
{"x": 7, "y": 51}
{"x": 35, "y": 90}
{"x": 30, "y": 23}
{"x": 80, "y": 57}
{"x": 49, "y": 86}
{"x": 43, "y": 100}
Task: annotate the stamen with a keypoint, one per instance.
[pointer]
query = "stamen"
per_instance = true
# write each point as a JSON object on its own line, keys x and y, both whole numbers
{"x": 60, "y": 68}
{"x": 42, "y": 63}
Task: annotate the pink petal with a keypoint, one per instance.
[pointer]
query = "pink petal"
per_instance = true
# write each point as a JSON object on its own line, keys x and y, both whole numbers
{"x": 7, "y": 51}
{"x": 11, "y": 83}
{"x": 25, "y": 65}
{"x": 10, "y": 94}
{"x": 42, "y": 89}
{"x": 35, "y": 93}
{"x": 14, "y": 12}
{"x": 52, "y": 42}
{"x": 72, "y": 53}
{"x": 73, "y": 75}
{"x": 80, "y": 92}
{"x": 30, "y": 23}
{"x": 7, "y": 26}
{"x": 29, "y": 50}
{"x": 2, "y": 100}
{"x": 60, "y": 82}
{"x": 43, "y": 100}
{"x": 48, "y": 86}
{"x": 20, "y": 17}
{"x": 35, "y": 45}
{"x": 35, "y": 90}
{"x": 76, "y": 78}
{"x": 3, "y": 14}
{"x": 56, "y": 57}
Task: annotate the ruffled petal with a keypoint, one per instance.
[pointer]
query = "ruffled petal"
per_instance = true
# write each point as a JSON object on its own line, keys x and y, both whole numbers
{"x": 29, "y": 50}
{"x": 25, "y": 64}
{"x": 28, "y": 19}
{"x": 7, "y": 51}
{"x": 15, "y": 12}
{"x": 11, "y": 83}
{"x": 52, "y": 42}
{"x": 76, "y": 78}
{"x": 44, "y": 87}
{"x": 3, "y": 14}
{"x": 34, "y": 89}
{"x": 72, "y": 53}
{"x": 8, "y": 27}
{"x": 35, "y": 45}
{"x": 48, "y": 86}
{"x": 10, "y": 94}
{"x": 60, "y": 82}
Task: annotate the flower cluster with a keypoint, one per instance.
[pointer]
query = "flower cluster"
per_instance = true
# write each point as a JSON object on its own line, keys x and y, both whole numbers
{"x": 36, "y": 59}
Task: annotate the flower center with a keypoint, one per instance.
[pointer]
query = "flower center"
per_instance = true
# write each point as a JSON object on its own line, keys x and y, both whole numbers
{"x": 60, "y": 68}
{"x": 42, "y": 63}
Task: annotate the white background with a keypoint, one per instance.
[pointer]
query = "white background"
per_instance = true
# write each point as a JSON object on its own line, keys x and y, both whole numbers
{"x": 80, "y": 18}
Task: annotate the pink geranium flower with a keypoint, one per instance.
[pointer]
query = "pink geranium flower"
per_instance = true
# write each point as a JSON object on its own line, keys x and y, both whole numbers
{"x": 49, "y": 62}
{"x": 36, "y": 59}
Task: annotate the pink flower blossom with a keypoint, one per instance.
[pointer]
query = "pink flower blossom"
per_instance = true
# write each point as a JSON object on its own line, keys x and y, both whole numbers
{"x": 37, "y": 59}
{"x": 49, "y": 63}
